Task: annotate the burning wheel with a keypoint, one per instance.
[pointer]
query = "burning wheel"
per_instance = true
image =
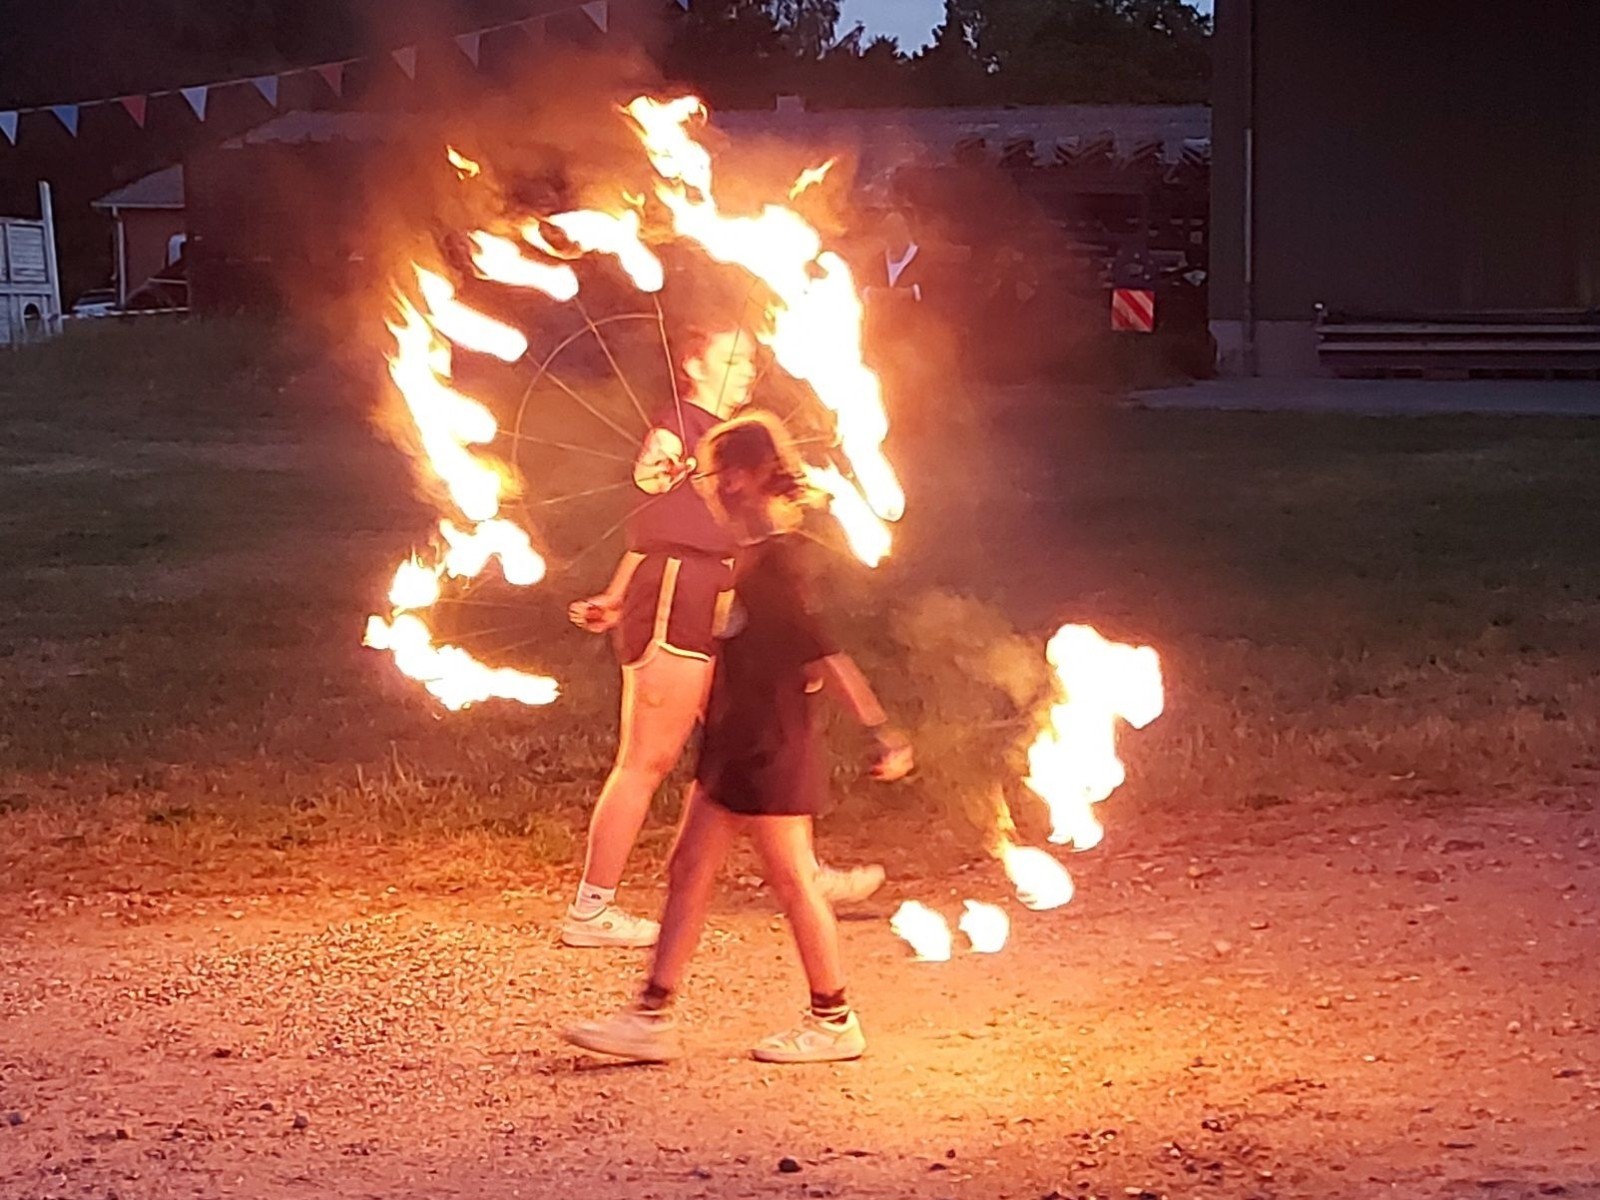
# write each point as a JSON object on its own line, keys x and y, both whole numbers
{"x": 567, "y": 471}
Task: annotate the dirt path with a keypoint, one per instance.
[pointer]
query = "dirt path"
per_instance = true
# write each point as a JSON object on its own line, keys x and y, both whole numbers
{"x": 1283, "y": 1004}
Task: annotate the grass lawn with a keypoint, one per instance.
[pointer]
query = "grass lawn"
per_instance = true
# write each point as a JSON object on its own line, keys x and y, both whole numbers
{"x": 198, "y": 521}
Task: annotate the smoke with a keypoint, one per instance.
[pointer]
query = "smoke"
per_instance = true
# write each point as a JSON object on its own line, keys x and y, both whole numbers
{"x": 977, "y": 684}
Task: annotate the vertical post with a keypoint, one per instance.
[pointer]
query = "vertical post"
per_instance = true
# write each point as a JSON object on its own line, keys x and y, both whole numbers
{"x": 122, "y": 258}
{"x": 1250, "y": 359}
{"x": 47, "y": 215}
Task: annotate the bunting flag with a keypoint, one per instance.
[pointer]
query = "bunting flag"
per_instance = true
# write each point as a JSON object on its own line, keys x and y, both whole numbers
{"x": 470, "y": 44}
{"x": 333, "y": 75}
{"x": 135, "y": 106}
{"x": 196, "y": 96}
{"x": 684, "y": 4}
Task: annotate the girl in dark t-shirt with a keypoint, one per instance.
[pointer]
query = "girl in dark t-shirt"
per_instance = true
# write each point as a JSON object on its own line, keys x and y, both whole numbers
{"x": 661, "y": 606}
{"x": 760, "y": 773}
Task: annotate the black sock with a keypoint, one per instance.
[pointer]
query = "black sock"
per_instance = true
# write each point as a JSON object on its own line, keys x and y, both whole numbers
{"x": 655, "y": 998}
{"x": 830, "y": 1006}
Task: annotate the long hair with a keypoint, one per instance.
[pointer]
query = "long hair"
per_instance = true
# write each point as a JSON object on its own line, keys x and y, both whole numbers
{"x": 758, "y": 444}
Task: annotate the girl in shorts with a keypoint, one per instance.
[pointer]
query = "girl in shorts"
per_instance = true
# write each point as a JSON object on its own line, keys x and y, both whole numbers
{"x": 761, "y": 772}
{"x": 660, "y": 607}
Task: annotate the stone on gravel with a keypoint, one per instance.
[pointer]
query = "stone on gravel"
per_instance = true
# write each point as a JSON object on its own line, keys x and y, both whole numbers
{"x": 787, "y": 1165}
{"x": 13, "y": 1119}
{"x": 301, "y": 1121}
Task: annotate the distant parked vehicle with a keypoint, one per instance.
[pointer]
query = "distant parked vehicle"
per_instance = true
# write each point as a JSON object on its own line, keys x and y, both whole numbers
{"x": 97, "y": 302}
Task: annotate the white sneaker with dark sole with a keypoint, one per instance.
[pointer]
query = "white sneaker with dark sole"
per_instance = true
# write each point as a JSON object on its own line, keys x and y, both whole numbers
{"x": 813, "y": 1041}
{"x": 851, "y": 886}
{"x": 610, "y": 928}
{"x": 633, "y": 1034}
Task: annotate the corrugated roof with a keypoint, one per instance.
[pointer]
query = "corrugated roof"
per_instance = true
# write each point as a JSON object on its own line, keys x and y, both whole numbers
{"x": 159, "y": 189}
{"x": 322, "y": 127}
{"x": 885, "y": 138}
{"x": 889, "y": 137}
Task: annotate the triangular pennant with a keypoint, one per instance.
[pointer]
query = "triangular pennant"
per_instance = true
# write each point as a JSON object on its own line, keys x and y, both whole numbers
{"x": 469, "y": 44}
{"x": 534, "y": 28}
{"x": 406, "y": 59}
{"x": 8, "y": 126}
{"x": 684, "y": 4}
{"x": 267, "y": 85}
{"x": 332, "y": 75}
{"x": 67, "y": 114}
{"x": 598, "y": 11}
{"x": 196, "y": 96}
{"x": 135, "y": 106}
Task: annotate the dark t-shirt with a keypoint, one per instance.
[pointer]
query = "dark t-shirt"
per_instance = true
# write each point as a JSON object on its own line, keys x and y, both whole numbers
{"x": 761, "y": 753}
{"x": 679, "y": 520}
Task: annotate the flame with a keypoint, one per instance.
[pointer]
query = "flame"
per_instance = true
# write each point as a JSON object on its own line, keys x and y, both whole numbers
{"x": 815, "y": 311}
{"x": 449, "y": 672}
{"x": 924, "y": 930}
{"x": 415, "y": 585}
{"x": 1073, "y": 764}
{"x": 447, "y": 423}
{"x": 465, "y": 326}
{"x": 810, "y": 178}
{"x": 1041, "y": 882}
{"x": 498, "y": 259}
{"x": 464, "y": 166}
{"x": 987, "y": 927}
{"x": 602, "y": 233}
{"x": 471, "y": 549}
{"x": 867, "y": 535}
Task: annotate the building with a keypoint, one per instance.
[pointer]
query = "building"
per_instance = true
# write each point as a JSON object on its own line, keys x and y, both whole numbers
{"x": 30, "y": 286}
{"x": 1406, "y": 187}
{"x": 150, "y": 229}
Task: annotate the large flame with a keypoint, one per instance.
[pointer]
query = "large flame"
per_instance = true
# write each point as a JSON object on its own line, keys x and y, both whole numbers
{"x": 1073, "y": 764}
{"x": 499, "y": 259}
{"x": 447, "y": 423}
{"x": 815, "y": 310}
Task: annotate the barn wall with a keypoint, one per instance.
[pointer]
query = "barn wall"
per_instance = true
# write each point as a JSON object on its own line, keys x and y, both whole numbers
{"x": 1416, "y": 157}
{"x": 147, "y": 231}
{"x": 276, "y": 227}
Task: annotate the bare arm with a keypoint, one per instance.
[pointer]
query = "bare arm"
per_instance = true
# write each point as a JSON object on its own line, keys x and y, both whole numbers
{"x": 623, "y": 575}
{"x": 600, "y": 613}
{"x": 853, "y": 690}
{"x": 893, "y": 758}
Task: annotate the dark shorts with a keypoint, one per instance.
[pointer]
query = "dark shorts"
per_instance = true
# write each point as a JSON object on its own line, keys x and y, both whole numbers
{"x": 673, "y": 604}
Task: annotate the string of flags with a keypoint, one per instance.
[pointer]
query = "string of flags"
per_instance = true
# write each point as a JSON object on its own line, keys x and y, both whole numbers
{"x": 470, "y": 45}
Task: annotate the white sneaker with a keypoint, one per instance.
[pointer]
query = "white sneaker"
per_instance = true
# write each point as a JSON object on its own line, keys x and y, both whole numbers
{"x": 610, "y": 927}
{"x": 813, "y": 1041}
{"x": 633, "y": 1033}
{"x": 851, "y": 886}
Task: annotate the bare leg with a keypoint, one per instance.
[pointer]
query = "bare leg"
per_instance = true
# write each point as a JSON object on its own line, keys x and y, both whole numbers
{"x": 703, "y": 841}
{"x": 661, "y": 700}
{"x": 790, "y": 865}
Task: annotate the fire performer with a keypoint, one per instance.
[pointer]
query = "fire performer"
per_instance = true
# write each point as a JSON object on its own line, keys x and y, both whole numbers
{"x": 661, "y": 607}
{"x": 761, "y": 772}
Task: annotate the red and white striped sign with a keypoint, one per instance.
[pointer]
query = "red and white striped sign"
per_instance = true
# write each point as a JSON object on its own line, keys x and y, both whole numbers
{"x": 1133, "y": 310}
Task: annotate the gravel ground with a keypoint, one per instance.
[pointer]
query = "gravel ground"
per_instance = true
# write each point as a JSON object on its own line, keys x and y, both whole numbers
{"x": 1296, "y": 1002}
